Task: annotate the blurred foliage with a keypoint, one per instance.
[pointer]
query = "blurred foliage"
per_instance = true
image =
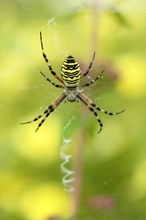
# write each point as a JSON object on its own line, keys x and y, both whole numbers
{"x": 111, "y": 165}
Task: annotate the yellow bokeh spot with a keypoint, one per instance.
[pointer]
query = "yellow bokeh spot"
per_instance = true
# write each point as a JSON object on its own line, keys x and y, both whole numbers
{"x": 10, "y": 190}
{"x": 31, "y": 200}
{"x": 44, "y": 201}
{"x": 41, "y": 146}
{"x": 109, "y": 149}
{"x": 133, "y": 79}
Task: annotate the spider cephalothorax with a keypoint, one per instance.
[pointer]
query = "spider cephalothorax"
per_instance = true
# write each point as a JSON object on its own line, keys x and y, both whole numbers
{"x": 71, "y": 94}
{"x": 70, "y": 82}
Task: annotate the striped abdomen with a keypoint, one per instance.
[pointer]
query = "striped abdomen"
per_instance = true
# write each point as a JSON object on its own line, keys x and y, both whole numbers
{"x": 70, "y": 72}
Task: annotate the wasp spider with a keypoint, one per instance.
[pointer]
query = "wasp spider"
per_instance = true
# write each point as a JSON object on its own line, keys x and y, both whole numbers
{"x": 70, "y": 82}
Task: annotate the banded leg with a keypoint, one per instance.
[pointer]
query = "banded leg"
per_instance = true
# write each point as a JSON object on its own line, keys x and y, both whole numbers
{"x": 35, "y": 119}
{"x": 47, "y": 61}
{"x": 49, "y": 80}
{"x": 90, "y": 65}
{"x": 105, "y": 111}
{"x": 88, "y": 102}
{"x": 48, "y": 111}
{"x": 93, "y": 80}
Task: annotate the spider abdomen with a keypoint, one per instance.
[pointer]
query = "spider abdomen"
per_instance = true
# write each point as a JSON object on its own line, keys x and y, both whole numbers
{"x": 70, "y": 72}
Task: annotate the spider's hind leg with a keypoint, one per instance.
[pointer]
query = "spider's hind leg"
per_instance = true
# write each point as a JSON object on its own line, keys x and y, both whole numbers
{"x": 90, "y": 65}
{"x": 47, "y": 60}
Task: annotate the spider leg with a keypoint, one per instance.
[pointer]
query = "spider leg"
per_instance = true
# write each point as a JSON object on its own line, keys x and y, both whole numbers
{"x": 49, "y": 80}
{"x": 88, "y": 103}
{"x": 47, "y": 61}
{"x": 105, "y": 111}
{"x": 35, "y": 119}
{"x": 90, "y": 65}
{"x": 48, "y": 111}
{"x": 93, "y": 80}
{"x": 51, "y": 108}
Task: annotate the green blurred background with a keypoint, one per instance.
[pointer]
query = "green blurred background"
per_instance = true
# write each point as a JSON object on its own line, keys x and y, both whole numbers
{"x": 110, "y": 167}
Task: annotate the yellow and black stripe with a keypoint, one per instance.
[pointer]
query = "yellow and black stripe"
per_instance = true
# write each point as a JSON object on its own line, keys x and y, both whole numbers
{"x": 70, "y": 72}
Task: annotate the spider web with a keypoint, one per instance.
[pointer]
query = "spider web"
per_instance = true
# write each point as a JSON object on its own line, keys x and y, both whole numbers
{"x": 66, "y": 180}
{"x": 49, "y": 25}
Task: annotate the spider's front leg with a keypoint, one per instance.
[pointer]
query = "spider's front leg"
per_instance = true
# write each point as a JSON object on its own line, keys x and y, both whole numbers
{"x": 48, "y": 111}
{"x": 105, "y": 111}
{"x": 88, "y": 102}
{"x": 93, "y": 107}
